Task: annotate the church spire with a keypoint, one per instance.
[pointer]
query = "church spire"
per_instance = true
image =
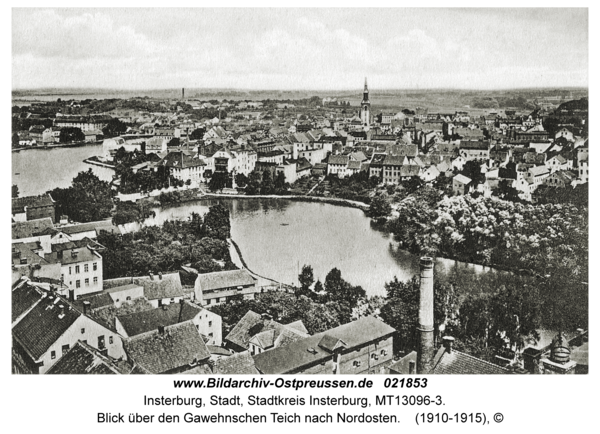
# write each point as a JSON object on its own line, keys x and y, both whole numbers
{"x": 366, "y": 88}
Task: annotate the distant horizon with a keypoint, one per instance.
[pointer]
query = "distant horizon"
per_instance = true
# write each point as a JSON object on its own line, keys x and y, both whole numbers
{"x": 241, "y": 89}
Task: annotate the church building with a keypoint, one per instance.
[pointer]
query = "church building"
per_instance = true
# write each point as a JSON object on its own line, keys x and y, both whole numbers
{"x": 365, "y": 107}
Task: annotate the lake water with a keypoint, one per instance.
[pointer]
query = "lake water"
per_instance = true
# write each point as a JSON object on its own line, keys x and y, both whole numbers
{"x": 277, "y": 237}
{"x": 36, "y": 171}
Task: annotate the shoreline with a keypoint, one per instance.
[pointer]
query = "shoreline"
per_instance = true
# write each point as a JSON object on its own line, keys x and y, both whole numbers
{"x": 299, "y": 198}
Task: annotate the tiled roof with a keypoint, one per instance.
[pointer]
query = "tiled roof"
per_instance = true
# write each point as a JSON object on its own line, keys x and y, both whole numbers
{"x": 290, "y": 358}
{"x": 410, "y": 170}
{"x": 403, "y": 150}
{"x": 30, "y": 228}
{"x": 24, "y": 297}
{"x": 147, "y": 320}
{"x": 83, "y": 359}
{"x": 224, "y": 279}
{"x": 97, "y": 300}
{"x": 253, "y": 324}
{"x": 354, "y": 165}
{"x": 177, "y": 347}
{"x": 236, "y": 364}
{"x": 338, "y": 159}
{"x": 457, "y": 363}
{"x": 393, "y": 160}
{"x": 42, "y": 325}
{"x": 85, "y": 227}
{"x": 19, "y": 203}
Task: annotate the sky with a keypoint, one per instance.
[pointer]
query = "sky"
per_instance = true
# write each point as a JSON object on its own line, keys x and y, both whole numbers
{"x": 321, "y": 49}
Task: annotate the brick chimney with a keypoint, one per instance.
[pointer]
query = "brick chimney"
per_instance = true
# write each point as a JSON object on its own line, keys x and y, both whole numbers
{"x": 425, "y": 349}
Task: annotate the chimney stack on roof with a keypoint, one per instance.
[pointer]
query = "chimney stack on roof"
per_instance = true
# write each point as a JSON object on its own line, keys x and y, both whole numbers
{"x": 448, "y": 342}
{"x": 425, "y": 349}
{"x": 159, "y": 275}
{"x": 151, "y": 275}
{"x": 86, "y": 307}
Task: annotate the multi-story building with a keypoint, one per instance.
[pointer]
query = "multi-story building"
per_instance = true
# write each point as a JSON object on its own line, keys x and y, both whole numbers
{"x": 81, "y": 268}
{"x": 364, "y": 346}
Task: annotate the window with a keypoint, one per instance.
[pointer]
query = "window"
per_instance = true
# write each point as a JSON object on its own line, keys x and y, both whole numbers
{"x": 95, "y": 266}
{"x": 101, "y": 344}
{"x": 95, "y": 280}
{"x": 76, "y": 269}
{"x": 128, "y": 298}
{"x": 69, "y": 270}
{"x": 210, "y": 323}
{"x": 110, "y": 339}
{"x": 86, "y": 268}
{"x": 62, "y": 277}
{"x": 383, "y": 352}
{"x": 210, "y": 335}
{"x": 53, "y": 355}
{"x": 82, "y": 331}
{"x": 65, "y": 348}
{"x": 78, "y": 284}
{"x": 356, "y": 363}
{"x": 87, "y": 282}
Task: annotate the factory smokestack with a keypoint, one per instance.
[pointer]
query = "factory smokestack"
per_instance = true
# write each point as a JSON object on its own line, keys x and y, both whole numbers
{"x": 425, "y": 350}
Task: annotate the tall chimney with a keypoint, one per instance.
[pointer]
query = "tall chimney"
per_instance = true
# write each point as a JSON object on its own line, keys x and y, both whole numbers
{"x": 425, "y": 350}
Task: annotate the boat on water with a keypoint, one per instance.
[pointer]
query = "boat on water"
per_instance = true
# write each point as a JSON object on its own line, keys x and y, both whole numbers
{"x": 285, "y": 224}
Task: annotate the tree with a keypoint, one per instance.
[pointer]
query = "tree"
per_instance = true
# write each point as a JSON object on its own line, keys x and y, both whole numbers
{"x": 241, "y": 180}
{"x": 472, "y": 170}
{"x": 114, "y": 127}
{"x": 174, "y": 142}
{"x": 71, "y": 134}
{"x": 267, "y": 186}
{"x": 15, "y": 139}
{"x": 15, "y": 191}
{"x": 306, "y": 279}
{"x": 217, "y": 222}
{"x": 218, "y": 181}
{"x": 379, "y": 207}
{"x": 280, "y": 183}
{"x": 197, "y": 134}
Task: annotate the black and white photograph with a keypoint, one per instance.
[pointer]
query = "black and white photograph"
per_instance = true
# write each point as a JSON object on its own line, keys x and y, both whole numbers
{"x": 299, "y": 191}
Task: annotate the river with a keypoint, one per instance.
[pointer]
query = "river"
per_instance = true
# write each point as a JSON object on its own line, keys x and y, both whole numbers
{"x": 278, "y": 236}
{"x": 36, "y": 171}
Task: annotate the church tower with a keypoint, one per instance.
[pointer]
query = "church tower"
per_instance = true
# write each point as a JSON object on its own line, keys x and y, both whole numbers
{"x": 365, "y": 107}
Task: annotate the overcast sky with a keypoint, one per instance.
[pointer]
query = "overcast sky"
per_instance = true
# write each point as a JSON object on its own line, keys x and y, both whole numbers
{"x": 299, "y": 48}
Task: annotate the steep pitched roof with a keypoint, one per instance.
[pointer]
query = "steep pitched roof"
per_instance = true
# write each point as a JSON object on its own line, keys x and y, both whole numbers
{"x": 44, "y": 324}
{"x": 82, "y": 359}
{"x": 236, "y": 364}
{"x": 24, "y": 297}
{"x": 178, "y": 346}
{"x": 147, "y": 320}
{"x": 252, "y": 324}
{"x": 338, "y": 159}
